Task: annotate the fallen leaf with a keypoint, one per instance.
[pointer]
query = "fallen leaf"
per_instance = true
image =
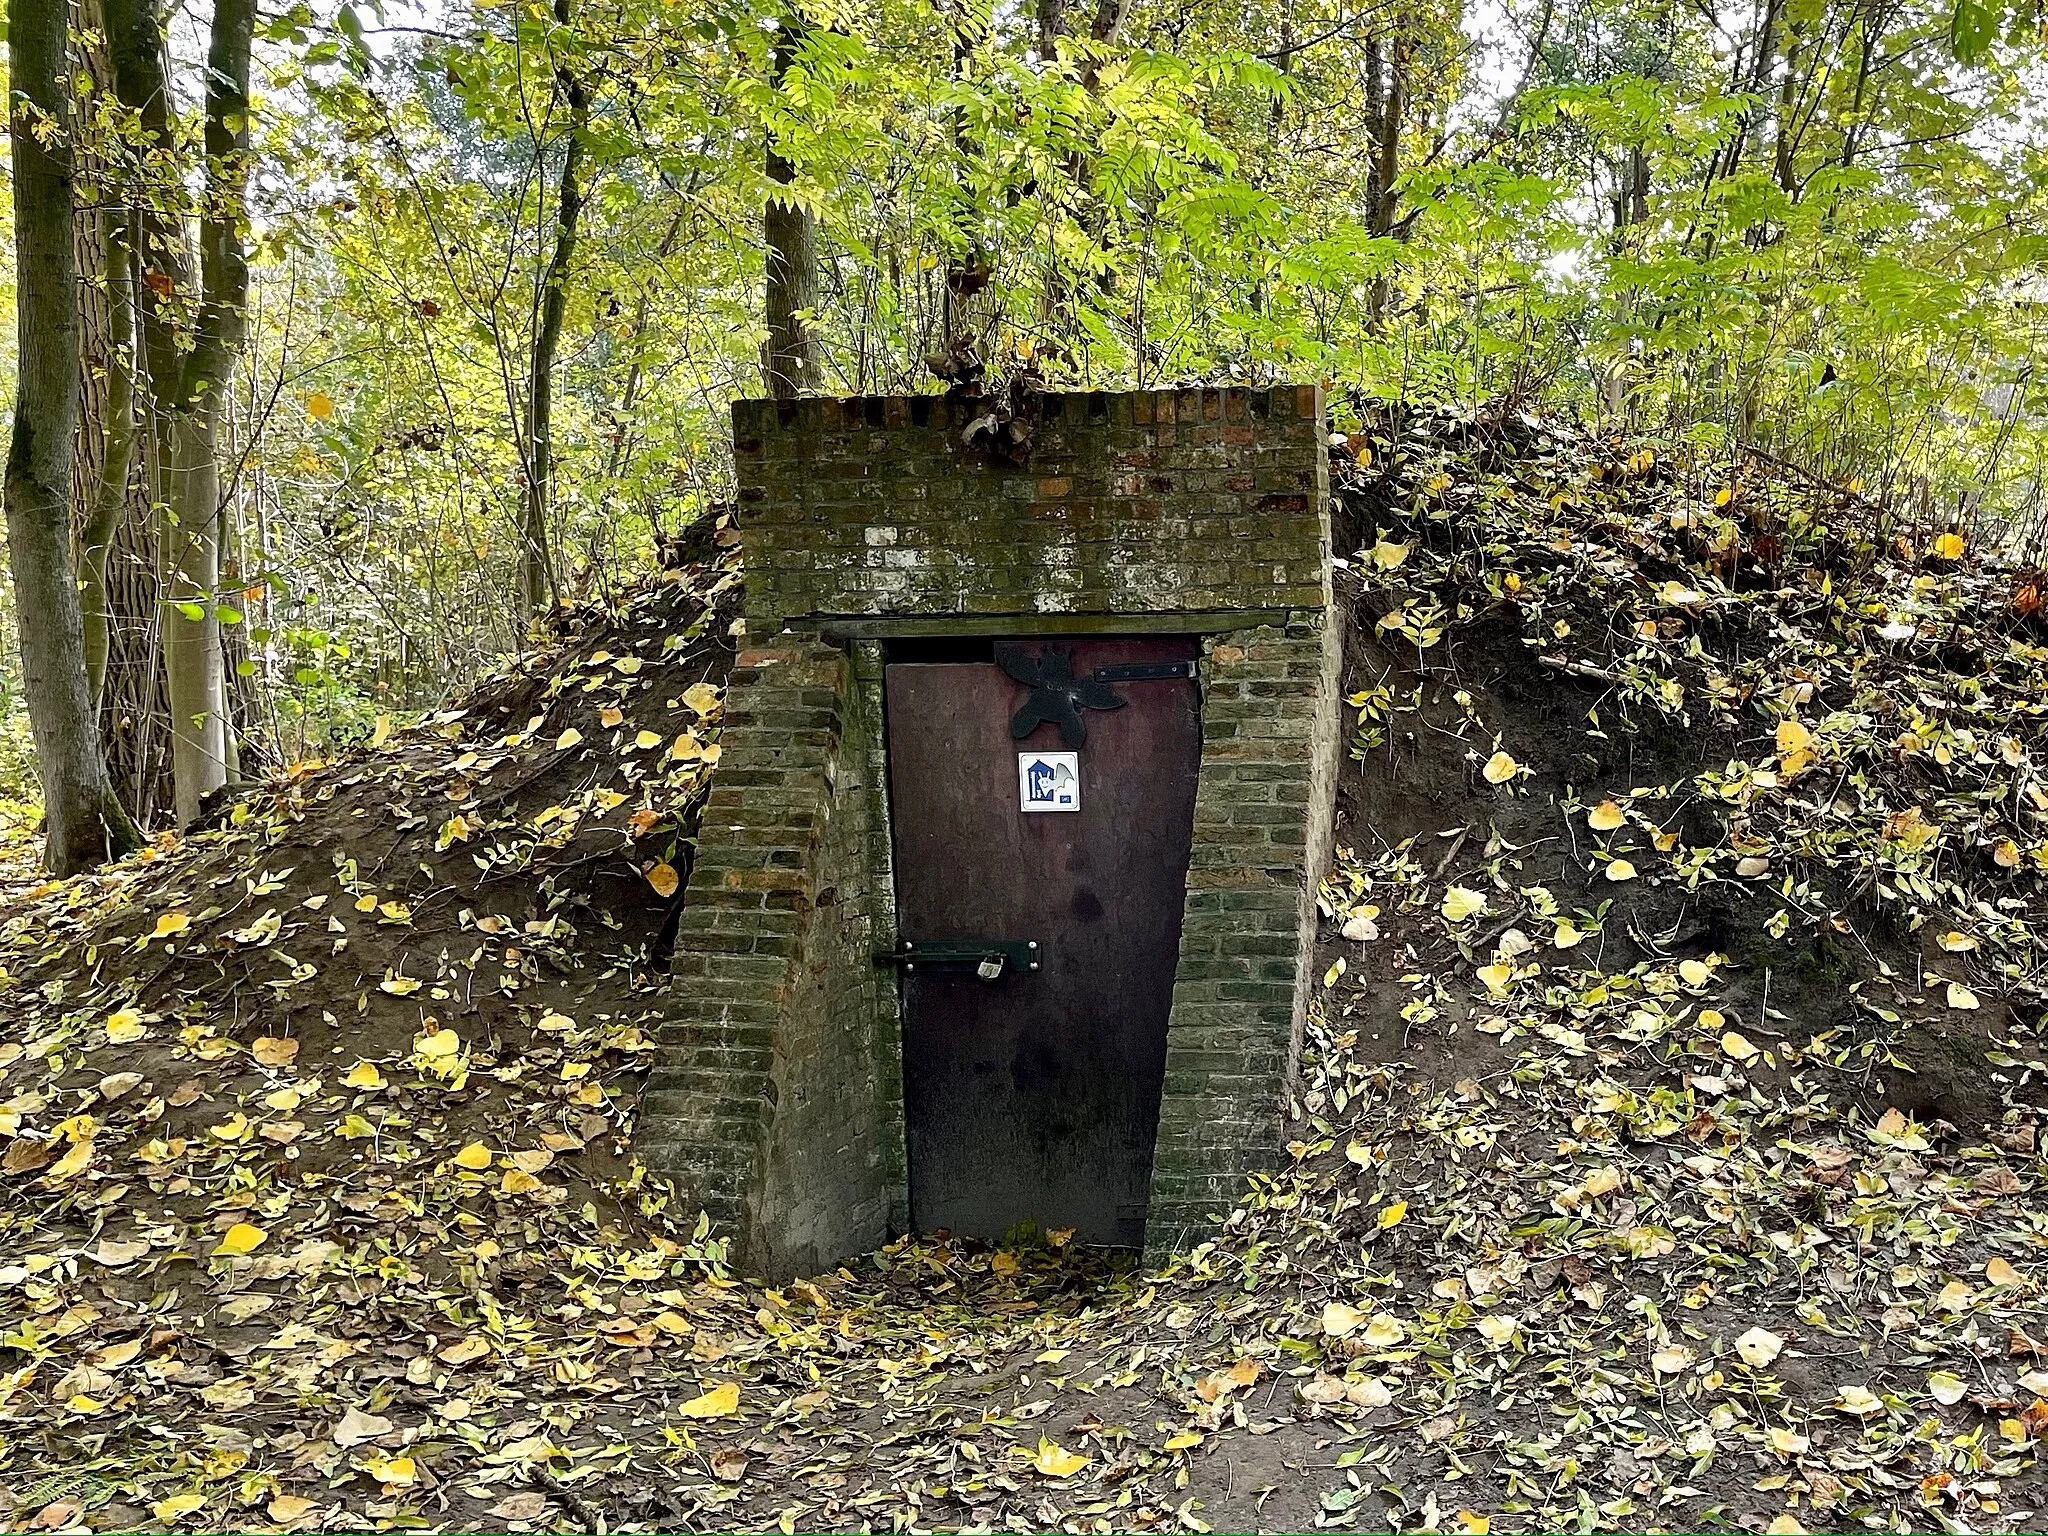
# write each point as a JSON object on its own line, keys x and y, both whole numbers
{"x": 1500, "y": 768}
{"x": 1737, "y": 1047}
{"x": 1620, "y": 869}
{"x": 1341, "y": 1319}
{"x": 1858, "y": 1400}
{"x": 1461, "y": 902}
{"x": 1606, "y": 816}
{"x": 356, "y": 1427}
{"x": 1947, "y": 1387}
{"x": 275, "y": 1050}
{"x": 1393, "y": 1215}
{"x": 241, "y": 1238}
{"x": 1055, "y": 1460}
{"x": 1759, "y": 1347}
{"x": 716, "y": 1403}
{"x": 664, "y": 879}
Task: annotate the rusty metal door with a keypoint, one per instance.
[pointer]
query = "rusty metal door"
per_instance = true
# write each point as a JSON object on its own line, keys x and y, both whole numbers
{"x": 1031, "y": 1077}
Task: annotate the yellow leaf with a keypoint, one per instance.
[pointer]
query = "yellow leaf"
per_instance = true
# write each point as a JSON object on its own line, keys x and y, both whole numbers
{"x": 1497, "y": 977}
{"x": 1948, "y": 1388}
{"x": 1953, "y": 1297}
{"x": 714, "y": 1404}
{"x": 1393, "y": 1215}
{"x": 1620, "y": 869}
{"x": 1710, "y": 1018}
{"x": 610, "y": 715}
{"x": 367, "y": 902}
{"x": 664, "y": 879}
{"x": 125, "y": 1027}
{"x": 518, "y": 1182}
{"x": 289, "y": 1508}
{"x": 1956, "y": 943}
{"x": 1385, "y": 1331}
{"x": 475, "y": 1157}
{"x": 1500, "y": 768}
{"x": 170, "y": 923}
{"x": 241, "y": 1238}
{"x": 1566, "y": 935}
{"x": 438, "y": 1043}
{"x": 2000, "y": 1272}
{"x": 1961, "y": 997}
{"x": 319, "y": 405}
{"x": 568, "y": 739}
{"x": 1859, "y": 1400}
{"x": 1694, "y": 973}
{"x": 1461, "y": 902}
{"x": 1949, "y": 546}
{"x": 1795, "y": 747}
{"x": 1388, "y": 555}
{"x": 1724, "y": 495}
{"x": 399, "y": 986}
{"x": 1498, "y": 1327}
{"x": 533, "y": 1160}
{"x": 170, "y": 1511}
{"x": 686, "y": 746}
{"x": 1737, "y": 1047}
{"x": 464, "y": 1350}
{"x": 1606, "y": 816}
{"x": 363, "y": 1075}
{"x": 391, "y": 1471}
{"x": 1602, "y": 1181}
{"x": 1186, "y": 1440}
{"x": 1788, "y": 1442}
{"x": 1785, "y": 1524}
{"x": 1340, "y": 1319}
{"x": 2007, "y": 854}
{"x": 382, "y": 732}
{"x": 1055, "y": 1460}
{"x": 647, "y": 739}
{"x": 702, "y": 697}
{"x": 1671, "y": 1359}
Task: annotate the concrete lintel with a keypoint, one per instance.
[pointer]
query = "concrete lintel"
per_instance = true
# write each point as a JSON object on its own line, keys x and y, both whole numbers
{"x": 1194, "y": 622}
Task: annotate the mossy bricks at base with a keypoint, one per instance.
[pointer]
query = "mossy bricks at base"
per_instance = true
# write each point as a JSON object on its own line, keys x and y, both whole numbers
{"x": 778, "y": 1099}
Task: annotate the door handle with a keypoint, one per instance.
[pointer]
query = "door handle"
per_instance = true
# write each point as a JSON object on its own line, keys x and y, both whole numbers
{"x": 988, "y": 958}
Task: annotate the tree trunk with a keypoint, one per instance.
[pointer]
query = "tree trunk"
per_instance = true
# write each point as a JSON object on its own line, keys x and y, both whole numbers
{"x": 189, "y": 366}
{"x": 83, "y": 822}
{"x": 108, "y": 490}
{"x": 536, "y": 562}
{"x": 196, "y": 680}
{"x": 789, "y": 360}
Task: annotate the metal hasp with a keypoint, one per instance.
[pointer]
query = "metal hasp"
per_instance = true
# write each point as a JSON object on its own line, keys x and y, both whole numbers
{"x": 1058, "y": 697}
{"x": 976, "y": 954}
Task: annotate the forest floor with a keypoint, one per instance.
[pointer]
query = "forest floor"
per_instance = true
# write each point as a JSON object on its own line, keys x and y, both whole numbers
{"x": 1668, "y": 1152}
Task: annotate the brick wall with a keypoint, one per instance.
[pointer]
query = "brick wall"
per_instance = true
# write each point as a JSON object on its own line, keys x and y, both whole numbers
{"x": 768, "y": 1102}
{"x": 1264, "y": 810}
{"x": 1176, "y": 501}
{"x": 778, "y": 1101}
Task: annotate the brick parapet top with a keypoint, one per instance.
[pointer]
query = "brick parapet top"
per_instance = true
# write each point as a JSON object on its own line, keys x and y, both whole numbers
{"x": 754, "y": 422}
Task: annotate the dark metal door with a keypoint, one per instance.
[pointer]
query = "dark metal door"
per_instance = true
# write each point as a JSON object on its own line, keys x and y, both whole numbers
{"x": 1034, "y": 1096}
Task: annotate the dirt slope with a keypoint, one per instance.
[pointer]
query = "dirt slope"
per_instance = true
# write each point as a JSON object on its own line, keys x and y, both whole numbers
{"x": 1668, "y": 1154}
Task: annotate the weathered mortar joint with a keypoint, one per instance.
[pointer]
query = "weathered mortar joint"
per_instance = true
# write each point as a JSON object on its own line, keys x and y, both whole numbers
{"x": 778, "y": 1103}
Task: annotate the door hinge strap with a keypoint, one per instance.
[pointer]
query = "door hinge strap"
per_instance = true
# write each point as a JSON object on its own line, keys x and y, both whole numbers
{"x": 1143, "y": 671}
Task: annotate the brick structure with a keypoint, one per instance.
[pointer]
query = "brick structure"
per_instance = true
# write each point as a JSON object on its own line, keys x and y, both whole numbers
{"x": 778, "y": 1102}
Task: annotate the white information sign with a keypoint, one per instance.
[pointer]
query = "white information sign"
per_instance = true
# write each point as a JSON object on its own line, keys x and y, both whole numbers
{"x": 1049, "y": 781}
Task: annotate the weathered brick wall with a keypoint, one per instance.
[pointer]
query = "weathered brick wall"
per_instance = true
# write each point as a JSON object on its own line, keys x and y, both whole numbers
{"x": 778, "y": 1103}
{"x": 1174, "y": 501}
{"x": 767, "y": 1104}
{"x": 1264, "y": 810}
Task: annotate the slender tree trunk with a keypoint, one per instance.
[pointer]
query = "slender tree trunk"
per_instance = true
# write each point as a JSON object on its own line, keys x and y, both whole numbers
{"x": 536, "y": 562}
{"x": 190, "y": 365}
{"x": 789, "y": 360}
{"x": 109, "y": 489}
{"x": 83, "y": 822}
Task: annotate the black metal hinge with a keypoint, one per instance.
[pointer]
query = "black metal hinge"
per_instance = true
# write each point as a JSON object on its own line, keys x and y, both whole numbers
{"x": 988, "y": 958}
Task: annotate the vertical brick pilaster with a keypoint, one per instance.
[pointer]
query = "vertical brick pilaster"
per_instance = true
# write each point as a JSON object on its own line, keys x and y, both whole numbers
{"x": 1264, "y": 808}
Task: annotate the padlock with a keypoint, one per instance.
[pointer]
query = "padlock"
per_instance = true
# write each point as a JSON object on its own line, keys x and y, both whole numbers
{"x": 990, "y": 968}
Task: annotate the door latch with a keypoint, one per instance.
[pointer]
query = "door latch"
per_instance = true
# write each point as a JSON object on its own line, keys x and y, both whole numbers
{"x": 988, "y": 958}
